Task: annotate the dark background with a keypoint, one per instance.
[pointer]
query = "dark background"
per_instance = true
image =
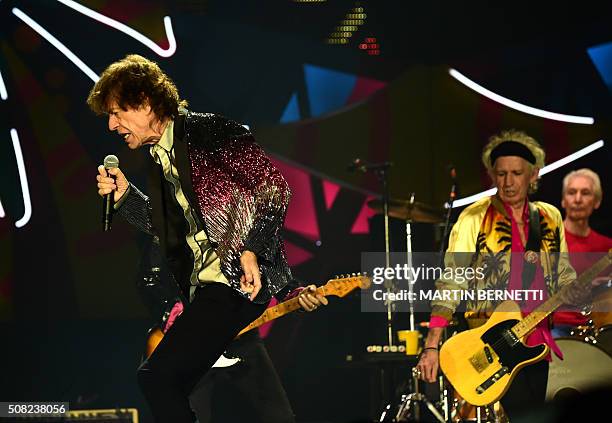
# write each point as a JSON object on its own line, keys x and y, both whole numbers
{"x": 73, "y": 321}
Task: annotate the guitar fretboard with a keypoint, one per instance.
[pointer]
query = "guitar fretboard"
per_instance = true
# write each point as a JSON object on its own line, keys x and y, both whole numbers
{"x": 529, "y": 322}
{"x": 279, "y": 310}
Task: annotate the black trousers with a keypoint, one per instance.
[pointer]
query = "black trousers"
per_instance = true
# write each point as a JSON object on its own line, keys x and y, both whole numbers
{"x": 253, "y": 383}
{"x": 191, "y": 346}
{"x": 527, "y": 391}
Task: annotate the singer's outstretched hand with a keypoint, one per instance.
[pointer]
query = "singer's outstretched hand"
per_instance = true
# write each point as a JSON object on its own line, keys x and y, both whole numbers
{"x": 106, "y": 184}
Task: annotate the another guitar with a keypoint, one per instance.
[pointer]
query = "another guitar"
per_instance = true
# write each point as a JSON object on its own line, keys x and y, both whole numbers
{"x": 481, "y": 363}
{"x": 339, "y": 287}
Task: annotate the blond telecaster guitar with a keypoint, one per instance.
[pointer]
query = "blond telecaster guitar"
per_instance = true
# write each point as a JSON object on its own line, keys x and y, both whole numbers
{"x": 481, "y": 363}
{"x": 339, "y": 287}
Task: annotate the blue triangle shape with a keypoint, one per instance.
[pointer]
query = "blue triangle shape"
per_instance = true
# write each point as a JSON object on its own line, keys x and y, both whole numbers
{"x": 601, "y": 56}
{"x": 292, "y": 111}
{"x": 328, "y": 89}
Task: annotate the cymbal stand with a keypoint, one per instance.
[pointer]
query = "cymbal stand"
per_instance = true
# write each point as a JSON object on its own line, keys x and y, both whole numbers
{"x": 409, "y": 263}
{"x": 411, "y": 400}
{"x": 444, "y": 397}
{"x": 382, "y": 172}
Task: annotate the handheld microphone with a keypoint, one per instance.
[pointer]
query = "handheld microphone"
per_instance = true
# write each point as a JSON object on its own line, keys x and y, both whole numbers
{"x": 108, "y": 200}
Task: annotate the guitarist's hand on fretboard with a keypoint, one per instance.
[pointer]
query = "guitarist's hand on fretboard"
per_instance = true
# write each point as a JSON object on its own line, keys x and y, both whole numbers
{"x": 310, "y": 299}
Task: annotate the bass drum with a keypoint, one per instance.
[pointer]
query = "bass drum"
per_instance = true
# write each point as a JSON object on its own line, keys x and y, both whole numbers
{"x": 584, "y": 366}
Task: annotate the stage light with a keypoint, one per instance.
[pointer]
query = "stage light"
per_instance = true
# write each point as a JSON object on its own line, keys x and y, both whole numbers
{"x": 370, "y": 46}
{"x": 518, "y": 106}
{"x": 127, "y": 30}
{"x": 546, "y": 169}
{"x": 347, "y": 27}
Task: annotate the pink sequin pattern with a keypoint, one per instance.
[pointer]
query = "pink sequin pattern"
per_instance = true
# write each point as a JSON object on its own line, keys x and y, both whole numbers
{"x": 242, "y": 195}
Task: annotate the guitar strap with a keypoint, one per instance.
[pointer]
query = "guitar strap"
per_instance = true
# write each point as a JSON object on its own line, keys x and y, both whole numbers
{"x": 533, "y": 246}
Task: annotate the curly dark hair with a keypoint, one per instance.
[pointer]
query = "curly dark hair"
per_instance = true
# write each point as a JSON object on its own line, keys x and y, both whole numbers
{"x": 132, "y": 82}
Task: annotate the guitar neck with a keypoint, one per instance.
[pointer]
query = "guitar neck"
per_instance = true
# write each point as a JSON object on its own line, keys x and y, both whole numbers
{"x": 277, "y": 311}
{"x": 530, "y": 321}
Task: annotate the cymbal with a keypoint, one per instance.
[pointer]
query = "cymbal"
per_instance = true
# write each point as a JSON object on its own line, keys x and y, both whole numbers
{"x": 415, "y": 212}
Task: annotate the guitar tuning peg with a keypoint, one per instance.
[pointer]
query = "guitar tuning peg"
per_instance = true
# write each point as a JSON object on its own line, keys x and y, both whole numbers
{"x": 353, "y": 274}
{"x": 336, "y": 277}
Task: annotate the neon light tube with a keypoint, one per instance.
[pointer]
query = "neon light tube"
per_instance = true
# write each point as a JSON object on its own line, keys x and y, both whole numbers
{"x": 3, "y": 91}
{"x": 27, "y": 204}
{"x": 585, "y": 120}
{"x": 57, "y": 44}
{"x": 127, "y": 30}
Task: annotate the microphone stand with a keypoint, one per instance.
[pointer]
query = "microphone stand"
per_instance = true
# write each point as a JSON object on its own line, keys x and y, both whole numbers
{"x": 381, "y": 170}
{"x": 449, "y": 205}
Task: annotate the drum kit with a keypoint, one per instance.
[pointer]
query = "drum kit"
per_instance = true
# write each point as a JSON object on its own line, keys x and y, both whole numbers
{"x": 587, "y": 351}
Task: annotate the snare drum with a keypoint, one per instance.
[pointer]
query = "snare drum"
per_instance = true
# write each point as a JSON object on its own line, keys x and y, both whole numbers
{"x": 584, "y": 366}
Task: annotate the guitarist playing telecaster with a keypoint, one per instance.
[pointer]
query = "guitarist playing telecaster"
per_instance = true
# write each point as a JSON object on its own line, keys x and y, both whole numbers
{"x": 495, "y": 232}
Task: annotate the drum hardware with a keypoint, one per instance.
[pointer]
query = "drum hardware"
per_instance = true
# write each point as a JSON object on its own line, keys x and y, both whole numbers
{"x": 604, "y": 338}
{"x": 449, "y": 408}
{"x": 410, "y": 402}
{"x": 409, "y": 210}
{"x": 462, "y": 411}
{"x": 409, "y": 263}
{"x": 586, "y": 333}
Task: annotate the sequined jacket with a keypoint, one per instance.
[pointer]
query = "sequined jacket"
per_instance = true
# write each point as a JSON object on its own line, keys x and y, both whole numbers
{"x": 241, "y": 198}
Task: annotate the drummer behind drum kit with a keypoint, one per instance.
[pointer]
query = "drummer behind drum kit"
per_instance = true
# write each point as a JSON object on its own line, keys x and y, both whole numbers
{"x": 587, "y": 352}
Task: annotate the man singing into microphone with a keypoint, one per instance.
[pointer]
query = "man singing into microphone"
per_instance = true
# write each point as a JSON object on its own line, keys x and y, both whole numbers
{"x": 216, "y": 209}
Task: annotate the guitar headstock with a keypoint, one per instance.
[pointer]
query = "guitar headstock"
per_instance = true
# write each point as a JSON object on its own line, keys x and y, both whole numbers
{"x": 343, "y": 284}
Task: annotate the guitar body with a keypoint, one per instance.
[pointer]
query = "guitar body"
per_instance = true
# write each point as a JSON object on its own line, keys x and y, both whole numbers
{"x": 482, "y": 362}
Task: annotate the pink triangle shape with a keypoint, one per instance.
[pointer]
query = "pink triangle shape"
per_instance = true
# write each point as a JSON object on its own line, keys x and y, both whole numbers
{"x": 330, "y": 191}
{"x": 361, "y": 225}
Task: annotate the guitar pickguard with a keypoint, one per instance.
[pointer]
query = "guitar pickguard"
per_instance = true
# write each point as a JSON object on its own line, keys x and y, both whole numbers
{"x": 509, "y": 350}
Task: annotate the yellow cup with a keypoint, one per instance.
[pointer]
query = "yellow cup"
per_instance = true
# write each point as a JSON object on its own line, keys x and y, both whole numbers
{"x": 411, "y": 338}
